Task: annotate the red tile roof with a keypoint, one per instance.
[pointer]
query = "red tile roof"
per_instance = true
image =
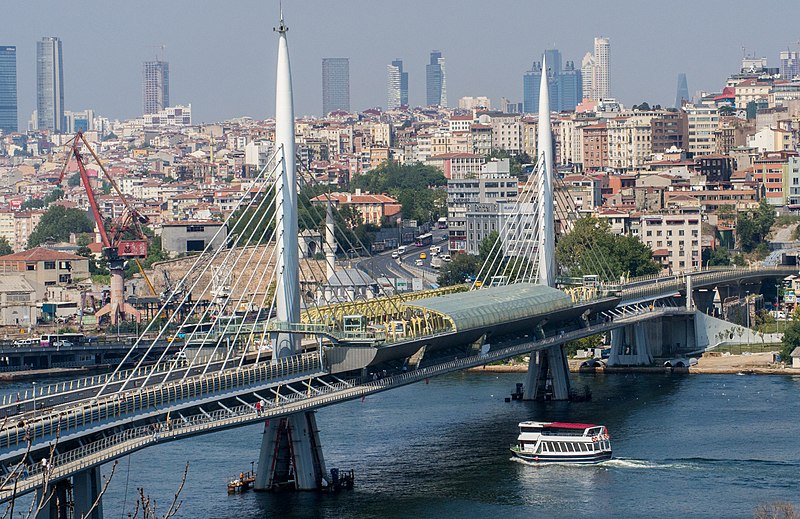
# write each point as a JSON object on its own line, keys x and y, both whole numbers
{"x": 40, "y": 254}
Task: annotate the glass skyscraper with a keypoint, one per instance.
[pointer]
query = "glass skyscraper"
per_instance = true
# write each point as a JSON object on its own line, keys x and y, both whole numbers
{"x": 436, "y": 80}
{"x": 335, "y": 85}
{"x": 396, "y": 85}
{"x": 49, "y": 85}
{"x": 8, "y": 89}
{"x": 155, "y": 86}
{"x": 565, "y": 85}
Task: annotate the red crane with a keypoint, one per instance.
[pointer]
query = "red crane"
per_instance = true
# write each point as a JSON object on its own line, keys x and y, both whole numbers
{"x": 116, "y": 248}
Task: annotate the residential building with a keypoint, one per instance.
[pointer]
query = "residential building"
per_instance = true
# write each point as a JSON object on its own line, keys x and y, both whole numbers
{"x": 702, "y": 122}
{"x": 396, "y": 85}
{"x": 436, "y": 80}
{"x": 457, "y": 165}
{"x": 335, "y": 85}
{"x": 8, "y": 89}
{"x": 675, "y": 238}
{"x": 46, "y": 270}
{"x": 179, "y": 115}
{"x": 49, "y": 85}
{"x": 155, "y": 86}
{"x": 669, "y": 130}
{"x": 373, "y": 209}
{"x": 595, "y": 147}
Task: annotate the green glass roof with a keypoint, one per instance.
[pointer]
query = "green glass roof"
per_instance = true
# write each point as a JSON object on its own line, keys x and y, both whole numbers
{"x": 495, "y": 305}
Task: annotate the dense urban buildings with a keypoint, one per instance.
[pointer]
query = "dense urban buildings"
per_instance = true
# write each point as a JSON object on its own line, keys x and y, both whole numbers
{"x": 49, "y": 85}
{"x": 335, "y": 85}
{"x": 155, "y": 86}
{"x": 436, "y": 80}
{"x": 565, "y": 85}
{"x": 396, "y": 85}
{"x": 8, "y": 88}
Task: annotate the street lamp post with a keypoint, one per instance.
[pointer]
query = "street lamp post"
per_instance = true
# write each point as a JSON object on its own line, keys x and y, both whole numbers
{"x": 747, "y": 313}
{"x": 34, "y": 399}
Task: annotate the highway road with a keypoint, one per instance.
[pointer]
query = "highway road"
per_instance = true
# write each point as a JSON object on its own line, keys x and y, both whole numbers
{"x": 383, "y": 265}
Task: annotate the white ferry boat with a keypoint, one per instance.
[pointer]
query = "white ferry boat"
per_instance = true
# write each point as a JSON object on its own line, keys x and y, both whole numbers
{"x": 562, "y": 442}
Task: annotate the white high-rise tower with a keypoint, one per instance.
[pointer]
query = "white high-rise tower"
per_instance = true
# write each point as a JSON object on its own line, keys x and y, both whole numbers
{"x": 602, "y": 74}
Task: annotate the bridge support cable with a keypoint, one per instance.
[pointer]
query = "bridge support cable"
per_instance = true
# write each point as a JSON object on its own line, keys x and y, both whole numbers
{"x": 230, "y": 252}
{"x": 512, "y": 231}
{"x": 315, "y": 211}
{"x": 261, "y": 180}
{"x": 222, "y": 310}
{"x": 188, "y": 338}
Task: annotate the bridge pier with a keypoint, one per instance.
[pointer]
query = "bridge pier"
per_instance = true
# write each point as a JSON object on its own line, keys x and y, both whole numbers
{"x": 291, "y": 453}
{"x": 86, "y": 488}
{"x": 55, "y": 505}
{"x": 549, "y": 363}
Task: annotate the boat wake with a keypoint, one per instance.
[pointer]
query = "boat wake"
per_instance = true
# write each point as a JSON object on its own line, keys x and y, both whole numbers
{"x": 628, "y": 463}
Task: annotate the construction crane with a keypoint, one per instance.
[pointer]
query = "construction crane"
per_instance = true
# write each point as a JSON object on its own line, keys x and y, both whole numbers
{"x": 117, "y": 248}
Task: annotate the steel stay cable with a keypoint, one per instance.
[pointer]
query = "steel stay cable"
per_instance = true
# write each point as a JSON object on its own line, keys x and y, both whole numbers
{"x": 175, "y": 289}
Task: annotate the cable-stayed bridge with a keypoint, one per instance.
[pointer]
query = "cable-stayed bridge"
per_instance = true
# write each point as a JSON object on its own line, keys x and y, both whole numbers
{"x": 285, "y": 333}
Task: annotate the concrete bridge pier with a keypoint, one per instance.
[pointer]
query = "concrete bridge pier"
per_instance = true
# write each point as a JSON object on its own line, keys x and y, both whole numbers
{"x": 549, "y": 364}
{"x": 291, "y": 454}
{"x": 56, "y": 504}
{"x": 86, "y": 488}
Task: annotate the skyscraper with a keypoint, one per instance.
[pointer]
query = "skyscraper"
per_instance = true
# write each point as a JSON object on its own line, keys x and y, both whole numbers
{"x": 587, "y": 73}
{"x": 396, "y": 85}
{"x": 335, "y": 85}
{"x": 682, "y": 92}
{"x": 49, "y": 85}
{"x": 601, "y": 80}
{"x": 436, "y": 80}
{"x": 8, "y": 89}
{"x": 155, "y": 86}
{"x": 565, "y": 86}
{"x": 790, "y": 64}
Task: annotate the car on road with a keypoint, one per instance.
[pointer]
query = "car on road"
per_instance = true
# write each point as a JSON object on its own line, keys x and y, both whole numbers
{"x": 446, "y": 257}
{"x": 62, "y": 344}
{"x": 26, "y": 342}
{"x": 422, "y": 255}
{"x": 418, "y": 263}
{"x": 401, "y": 249}
{"x": 395, "y": 254}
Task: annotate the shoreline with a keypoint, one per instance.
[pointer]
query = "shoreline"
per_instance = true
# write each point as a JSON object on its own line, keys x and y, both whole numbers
{"x": 755, "y": 364}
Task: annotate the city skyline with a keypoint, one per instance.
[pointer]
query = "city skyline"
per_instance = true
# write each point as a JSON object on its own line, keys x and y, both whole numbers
{"x": 211, "y": 65}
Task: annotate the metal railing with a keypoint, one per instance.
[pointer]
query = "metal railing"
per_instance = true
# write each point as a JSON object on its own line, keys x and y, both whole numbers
{"x": 124, "y": 442}
{"x": 47, "y": 425}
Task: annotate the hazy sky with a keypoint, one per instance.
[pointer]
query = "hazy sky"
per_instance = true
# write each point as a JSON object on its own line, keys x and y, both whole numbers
{"x": 222, "y": 53}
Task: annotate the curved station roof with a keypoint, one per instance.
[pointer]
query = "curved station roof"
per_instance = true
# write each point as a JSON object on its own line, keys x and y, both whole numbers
{"x": 492, "y": 306}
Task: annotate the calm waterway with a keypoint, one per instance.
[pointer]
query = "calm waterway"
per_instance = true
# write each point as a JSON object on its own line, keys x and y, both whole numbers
{"x": 685, "y": 446}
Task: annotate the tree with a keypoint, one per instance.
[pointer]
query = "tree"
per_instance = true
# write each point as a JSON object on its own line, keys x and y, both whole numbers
{"x": 752, "y": 228}
{"x": 719, "y": 257}
{"x": 414, "y": 186}
{"x": 459, "y": 269}
{"x": 791, "y": 340}
{"x": 5, "y": 247}
{"x": 95, "y": 267}
{"x": 58, "y": 223}
{"x": 591, "y": 248}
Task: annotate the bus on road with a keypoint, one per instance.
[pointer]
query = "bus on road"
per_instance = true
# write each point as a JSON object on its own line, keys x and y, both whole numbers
{"x": 423, "y": 240}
